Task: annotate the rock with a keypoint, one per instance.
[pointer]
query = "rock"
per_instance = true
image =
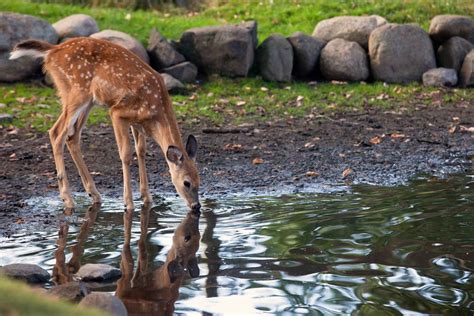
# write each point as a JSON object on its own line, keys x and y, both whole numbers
{"x": 5, "y": 118}
{"x": 76, "y": 25}
{"x": 98, "y": 272}
{"x": 306, "y": 50}
{"x": 344, "y": 60}
{"x": 15, "y": 28}
{"x": 227, "y": 50}
{"x": 275, "y": 58}
{"x": 30, "y": 273}
{"x": 172, "y": 84}
{"x": 185, "y": 72}
{"x": 351, "y": 28}
{"x": 400, "y": 53}
{"x": 71, "y": 291}
{"x": 105, "y": 302}
{"x": 466, "y": 75}
{"x": 451, "y": 53}
{"x": 124, "y": 40}
{"x": 440, "y": 77}
{"x": 162, "y": 53}
{"x": 443, "y": 27}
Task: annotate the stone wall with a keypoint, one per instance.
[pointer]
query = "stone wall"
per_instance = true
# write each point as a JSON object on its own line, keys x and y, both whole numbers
{"x": 344, "y": 48}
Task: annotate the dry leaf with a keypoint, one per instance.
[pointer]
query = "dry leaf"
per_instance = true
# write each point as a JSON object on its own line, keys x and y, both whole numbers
{"x": 397, "y": 135}
{"x": 312, "y": 174}
{"x": 264, "y": 88}
{"x": 466, "y": 129}
{"x": 452, "y": 129}
{"x": 375, "y": 140}
{"x": 346, "y": 172}
{"x": 233, "y": 147}
{"x": 96, "y": 173}
{"x": 257, "y": 161}
{"x": 240, "y": 103}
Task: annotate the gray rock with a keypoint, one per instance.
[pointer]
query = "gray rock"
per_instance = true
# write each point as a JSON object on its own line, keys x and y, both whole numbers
{"x": 275, "y": 58}
{"x": 105, "y": 302}
{"x": 466, "y": 75}
{"x": 30, "y": 273}
{"x": 400, "y": 53}
{"x": 5, "y": 118}
{"x": 306, "y": 50}
{"x": 227, "y": 50}
{"x": 98, "y": 272}
{"x": 185, "y": 72}
{"x": 76, "y": 25}
{"x": 440, "y": 77}
{"x": 443, "y": 27}
{"x": 351, "y": 28}
{"x": 15, "y": 28}
{"x": 172, "y": 84}
{"x": 344, "y": 60}
{"x": 71, "y": 291}
{"x": 162, "y": 53}
{"x": 124, "y": 40}
{"x": 451, "y": 53}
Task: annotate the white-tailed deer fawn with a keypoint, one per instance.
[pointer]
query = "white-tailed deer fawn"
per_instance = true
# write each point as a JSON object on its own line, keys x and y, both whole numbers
{"x": 87, "y": 71}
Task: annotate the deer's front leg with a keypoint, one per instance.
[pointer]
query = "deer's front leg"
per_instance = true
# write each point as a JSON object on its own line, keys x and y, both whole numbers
{"x": 140, "y": 148}
{"x": 122, "y": 136}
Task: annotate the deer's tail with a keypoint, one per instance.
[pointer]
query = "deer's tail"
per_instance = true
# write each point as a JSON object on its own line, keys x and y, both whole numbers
{"x": 32, "y": 48}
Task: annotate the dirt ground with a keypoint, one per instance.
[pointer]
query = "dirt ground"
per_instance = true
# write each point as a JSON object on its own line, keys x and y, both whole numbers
{"x": 374, "y": 146}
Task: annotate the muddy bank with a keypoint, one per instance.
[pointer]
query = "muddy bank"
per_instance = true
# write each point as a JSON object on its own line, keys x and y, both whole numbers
{"x": 375, "y": 146}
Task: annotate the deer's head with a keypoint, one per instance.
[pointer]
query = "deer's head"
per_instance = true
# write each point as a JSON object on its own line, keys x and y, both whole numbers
{"x": 184, "y": 173}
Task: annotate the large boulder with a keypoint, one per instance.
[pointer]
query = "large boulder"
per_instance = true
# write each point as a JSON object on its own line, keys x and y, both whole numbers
{"x": 306, "y": 50}
{"x": 466, "y": 75}
{"x": 451, "y": 53}
{"x": 443, "y": 27}
{"x": 400, "y": 53}
{"x": 105, "y": 302}
{"x": 31, "y": 273}
{"x": 15, "y": 28}
{"x": 172, "y": 84}
{"x": 162, "y": 53}
{"x": 440, "y": 77}
{"x": 351, "y": 28}
{"x": 124, "y": 40}
{"x": 344, "y": 60}
{"x": 185, "y": 72}
{"x": 227, "y": 50}
{"x": 72, "y": 291}
{"x": 76, "y": 25}
{"x": 97, "y": 272}
{"x": 275, "y": 58}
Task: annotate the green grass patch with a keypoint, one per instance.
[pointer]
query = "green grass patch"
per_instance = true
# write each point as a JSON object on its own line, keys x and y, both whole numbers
{"x": 283, "y": 17}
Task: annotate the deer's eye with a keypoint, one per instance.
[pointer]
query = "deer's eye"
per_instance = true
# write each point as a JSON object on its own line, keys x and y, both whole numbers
{"x": 187, "y": 238}
{"x": 187, "y": 184}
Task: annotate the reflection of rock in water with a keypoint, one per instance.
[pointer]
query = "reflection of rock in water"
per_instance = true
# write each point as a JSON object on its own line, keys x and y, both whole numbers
{"x": 155, "y": 292}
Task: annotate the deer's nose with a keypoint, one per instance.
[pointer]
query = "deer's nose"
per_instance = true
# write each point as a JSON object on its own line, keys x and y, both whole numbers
{"x": 196, "y": 207}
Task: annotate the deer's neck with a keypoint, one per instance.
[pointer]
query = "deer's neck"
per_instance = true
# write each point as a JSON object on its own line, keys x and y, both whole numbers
{"x": 165, "y": 130}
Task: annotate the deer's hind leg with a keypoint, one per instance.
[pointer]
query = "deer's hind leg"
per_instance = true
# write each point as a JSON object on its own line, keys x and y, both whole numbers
{"x": 74, "y": 145}
{"x": 64, "y": 127}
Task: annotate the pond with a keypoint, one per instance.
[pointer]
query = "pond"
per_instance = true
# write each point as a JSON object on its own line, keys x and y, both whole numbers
{"x": 363, "y": 250}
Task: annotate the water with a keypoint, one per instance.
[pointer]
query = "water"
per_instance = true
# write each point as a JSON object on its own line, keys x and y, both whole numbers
{"x": 370, "y": 251}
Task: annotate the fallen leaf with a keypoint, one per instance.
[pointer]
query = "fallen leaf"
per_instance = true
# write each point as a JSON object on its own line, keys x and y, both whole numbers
{"x": 346, "y": 172}
{"x": 96, "y": 173}
{"x": 466, "y": 129}
{"x": 264, "y": 88}
{"x": 452, "y": 129}
{"x": 19, "y": 220}
{"x": 233, "y": 147}
{"x": 257, "y": 161}
{"x": 240, "y": 103}
{"x": 312, "y": 174}
{"x": 455, "y": 119}
{"x": 375, "y": 140}
{"x": 397, "y": 135}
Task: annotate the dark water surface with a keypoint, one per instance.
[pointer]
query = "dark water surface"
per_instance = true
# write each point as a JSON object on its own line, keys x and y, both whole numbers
{"x": 370, "y": 251}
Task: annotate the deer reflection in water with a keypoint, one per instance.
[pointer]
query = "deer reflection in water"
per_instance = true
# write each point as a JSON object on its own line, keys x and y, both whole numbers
{"x": 155, "y": 292}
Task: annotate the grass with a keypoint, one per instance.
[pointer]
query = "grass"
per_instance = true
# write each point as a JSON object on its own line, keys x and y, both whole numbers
{"x": 235, "y": 101}
{"x": 18, "y": 299}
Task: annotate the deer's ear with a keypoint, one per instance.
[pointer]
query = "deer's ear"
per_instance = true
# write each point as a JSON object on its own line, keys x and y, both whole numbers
{"x": 174, "y": 155}
{"x": 191, "y": 147}
{"x": 193, "y": 267}
{"x": 175, "y": 270}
